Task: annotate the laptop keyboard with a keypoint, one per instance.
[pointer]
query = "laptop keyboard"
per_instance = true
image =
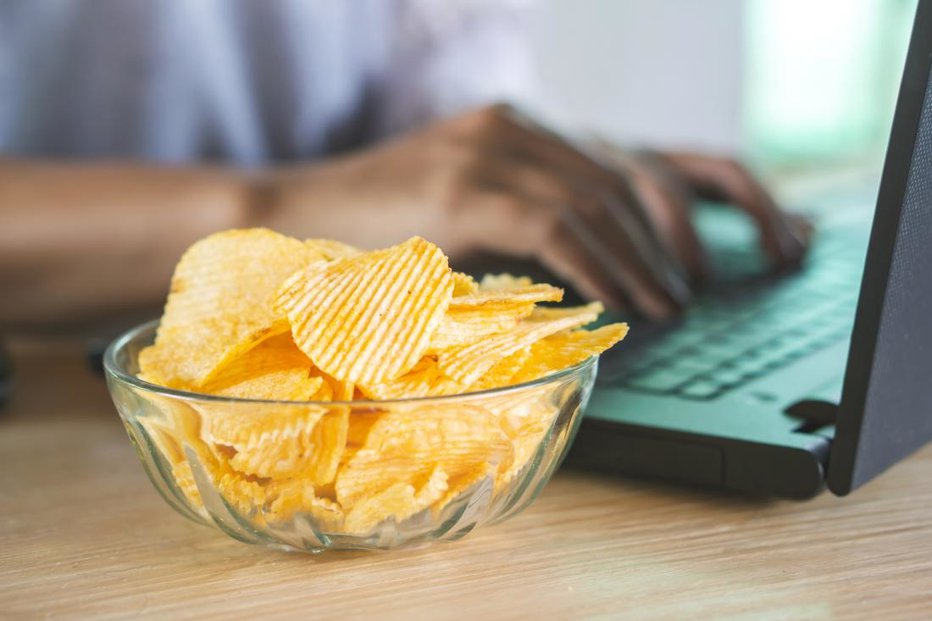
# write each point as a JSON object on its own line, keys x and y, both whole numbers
{"x": 741, "y": 333}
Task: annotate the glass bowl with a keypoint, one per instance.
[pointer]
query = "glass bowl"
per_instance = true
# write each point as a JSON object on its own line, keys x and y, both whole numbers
{"x": 408, "y": 472}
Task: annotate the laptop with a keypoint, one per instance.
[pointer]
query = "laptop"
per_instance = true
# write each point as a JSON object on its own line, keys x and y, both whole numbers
{"x": 781, "y": 386}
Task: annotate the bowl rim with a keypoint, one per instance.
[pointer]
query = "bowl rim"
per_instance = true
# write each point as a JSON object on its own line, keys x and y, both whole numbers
{"x": 113, "y": 369}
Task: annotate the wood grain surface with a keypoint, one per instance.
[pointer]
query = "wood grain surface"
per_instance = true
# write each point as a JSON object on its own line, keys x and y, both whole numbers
{"x": 84, "y": 535}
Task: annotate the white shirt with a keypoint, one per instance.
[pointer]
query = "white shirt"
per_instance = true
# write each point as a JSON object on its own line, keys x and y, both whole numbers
{"x": 245, "y": 81}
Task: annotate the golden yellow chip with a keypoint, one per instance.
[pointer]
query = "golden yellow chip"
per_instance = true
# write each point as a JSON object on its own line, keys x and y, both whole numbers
{"x": 274, "y": 354}
{"x": 467, "y": 363}
{"x": 312, "y": 454}
{"x": 244, "y": 426}
{"x": 558, "y": 312}
{"x": 566, "y": 349}
{"x": 220, "y": 302}
{"x": 403, "y": 447}
{"x": 396, "y": 501}
{"x": 399, "y": 501}
{"x": 468, "y": 324}
{"x": 331, "y": 249}
{"x": 246, "y": 495}
{"x": 462, "y": 484}
{"x": 526, "y": 439}
{"x": 295, "y": 496}
{"x": 516, "y": 295}
{"x": 282, "y": 385}
{"x": 277, "y": 441}
{"x": 464, "y": 284}
{"x": 503, "y": 372}
{"x": 326, "y": 445}
{"x": 369, "y": 318}
{"x": 492, "y": 282}
{"x": 424, "y": 380}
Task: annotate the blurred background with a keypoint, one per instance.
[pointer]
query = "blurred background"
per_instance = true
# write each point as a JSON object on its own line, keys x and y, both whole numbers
{"x": 791, "y": 84}
{"x": 803, "y": 90}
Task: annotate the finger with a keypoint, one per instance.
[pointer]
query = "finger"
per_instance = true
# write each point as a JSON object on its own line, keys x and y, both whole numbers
{"x": 596, "y": 220}
{"x": 573, "y": 240}
{"x": 524, "y": 141}
{"x": 667, "y": 200}
{"x": 717, "y": 178}
{"x": 530, "y": 228}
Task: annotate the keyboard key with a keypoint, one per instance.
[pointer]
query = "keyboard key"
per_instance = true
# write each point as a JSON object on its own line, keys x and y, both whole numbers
{"x": 701, "y": 389}
{"x": 663, "y": 379}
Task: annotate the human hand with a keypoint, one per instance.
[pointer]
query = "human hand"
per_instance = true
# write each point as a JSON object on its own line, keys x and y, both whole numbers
{"x": 615, "y": 225}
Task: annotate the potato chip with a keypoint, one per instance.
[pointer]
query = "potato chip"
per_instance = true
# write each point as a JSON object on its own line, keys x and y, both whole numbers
{"x": 433, "y": 489}
{"x": 526, "y": 440}
{"x": 508, "y": 296}
{"x": 558, "y": 312}
{"x": 184, "y": 480}
{"x": 468, "y": 324}
{"x": 284, "y": 385}
{"x": 404, "y": 446}
{"x": 243, "y": 426}
{"x": 221, "y": 302}
{"x": 493, "y": 282}
{"x": 297, "y": 496}
{"x": 467, "y": 363}
{"x": 244, "y": 494}
{"x": 502, "y": 373}
{"x": 274, "y": 356}
{"x": 424, "y": 380}
{"x": 273, "y": 441}
{"x": 399, "y": 501}
{"x": 369, "y": 318}
{"x": 461, "y": 484}
{"x": 464, "y": 284}
{"x": 396, "y": 501}
{"x": 566, "y": 349}
{"x": 326, "y": 445}
{"x": 331, "y": 249}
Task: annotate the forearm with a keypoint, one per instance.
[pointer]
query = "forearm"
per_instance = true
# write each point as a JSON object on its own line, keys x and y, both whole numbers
{"x": 81, "y": 240}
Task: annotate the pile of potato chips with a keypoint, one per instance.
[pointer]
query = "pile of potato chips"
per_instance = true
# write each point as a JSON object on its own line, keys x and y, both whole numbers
{"x": 312, "y": 327}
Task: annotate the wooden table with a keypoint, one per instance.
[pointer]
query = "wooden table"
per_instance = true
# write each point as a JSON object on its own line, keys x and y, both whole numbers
{"x": 83, "y": 533}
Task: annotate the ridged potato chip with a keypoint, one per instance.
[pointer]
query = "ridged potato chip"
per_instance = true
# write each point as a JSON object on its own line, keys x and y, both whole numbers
{"x": 297, "y": 496}
{"x": 558, "y": 312}
{"x": 492, "y": 282}
{"x": 461, "y": 484}
{"x": 503, "y": 372}
{"x": 282, "y": 385}
{"x": 331, "y": 249}
{"x": 253, "y": 373}
{"x": 464, "y": 284}
{"x": 424, "y": 380}
{"x": 467, "y": 363}
{"x": 467, "y": 324}
{"x": 404, "y": 446}
{"x": 369, "y": 318}
{"x": 220, "y": 302}
{"x": 566, "y": 349}
{"x": 526, "y": 440}
{"x": 399, "y": 501}
{"x": 507, "y": 296}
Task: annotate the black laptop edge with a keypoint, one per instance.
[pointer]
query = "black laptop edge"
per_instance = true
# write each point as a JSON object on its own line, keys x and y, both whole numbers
{"x": 886, "y": 405}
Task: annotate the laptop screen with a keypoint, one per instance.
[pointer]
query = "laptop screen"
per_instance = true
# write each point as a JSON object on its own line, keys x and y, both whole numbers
{"x": 886, "y": 406}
